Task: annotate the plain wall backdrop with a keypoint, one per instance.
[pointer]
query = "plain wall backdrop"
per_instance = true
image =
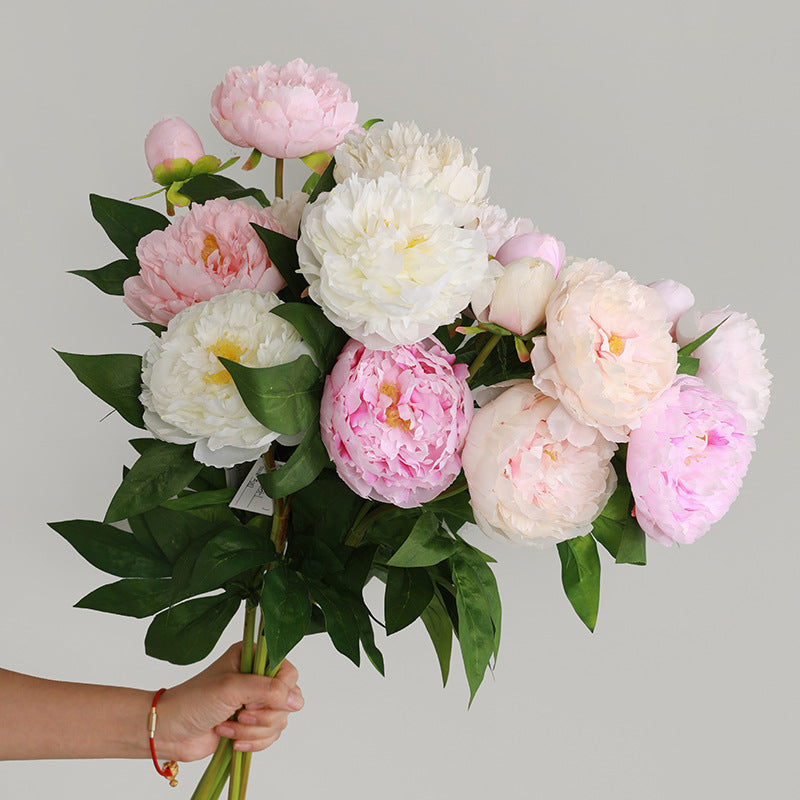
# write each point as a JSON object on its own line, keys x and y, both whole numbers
{"x": 659, "y": 136}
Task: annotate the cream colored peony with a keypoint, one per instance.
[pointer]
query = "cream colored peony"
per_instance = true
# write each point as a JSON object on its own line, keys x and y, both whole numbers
{"x": 388, "y": 263}
{"x": 437, "y": 161}
{"x": 535, "y": 474}
{"x": 608, "y": 353}
{"x": 190, "y": 397}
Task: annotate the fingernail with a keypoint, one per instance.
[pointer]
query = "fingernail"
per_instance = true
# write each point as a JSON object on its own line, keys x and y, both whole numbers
{"x": 242, "y": 745}
{"x": 295, "y": 700}
{"x": 226, "y": 730}
{"x": 248, "y": 719}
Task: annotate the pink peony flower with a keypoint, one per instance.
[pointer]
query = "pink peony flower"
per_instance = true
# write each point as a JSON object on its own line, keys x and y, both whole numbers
{"x": 608, "y": 354}
{"x": 285, "y": 112}
{"x": 535, "y": 474}
{"x": 394, "y": 421}
{"x": 169, "y": 140}
{"x": 533, "y": 245}
{"x": 211, "y": 250}
{"x": 732, "y": 361}
{"x": 677, "y": 297}
{"x": 686, "y": 461}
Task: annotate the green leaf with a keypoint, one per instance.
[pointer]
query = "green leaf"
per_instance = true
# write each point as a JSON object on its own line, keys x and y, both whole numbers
{"x": 282, "y": 398}
{"x": 440, "y": 629}
{"x": 485, "y": 577}
{"x": 188, "y": 632}
{"x": 688, "y": 365}
{"x": 125, "y": 223}
{"x": 168, "y": 530}
{"x": 632, "y": 549}
{"x": 230, "y": 553}
{"x": 210, "y": 186}
{"x": 111, "y": 550}
{"x": 425, "y": 545}
{"x": 160, "y": 473}
{"x": 503, "y": 364}
{"x": 304, "y": 465}
{"x": 313, "y": 557}
{"x": 114, "y": 378}
{"x": 287, "y": 611}
{"x": 282, "y": 251}
{"x": 153, "y": 327}
{"x": 689, "y": 348}
{"x": 609, "y": 533}
{"x": 340, "y": 622}
{"x": 475, "y": 627}
{"x": 618, "y": 506}
{"x": 311, "y": 182}
{"x": 323, "y": 338}
{"x": 455, "y": 510}
{"x": 325, "y": 183}
{"x": 370, "y": 122}
{"x": 109, "y": 279}
{"x": 367, "y": 635}
{"x": 580, "y": 574}
{"x": 212, "y": 497}
{"x": 408, "y": 594}
{"x": 130, "y": 597}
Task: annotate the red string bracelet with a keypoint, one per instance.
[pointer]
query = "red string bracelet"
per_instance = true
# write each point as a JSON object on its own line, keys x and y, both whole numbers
{"x": 169, "y": 769}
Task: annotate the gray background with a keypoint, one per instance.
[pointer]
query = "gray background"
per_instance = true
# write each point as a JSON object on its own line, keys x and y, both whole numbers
{"x": 661, "y": 137}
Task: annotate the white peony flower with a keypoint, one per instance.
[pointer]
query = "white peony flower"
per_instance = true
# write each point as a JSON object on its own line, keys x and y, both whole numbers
{"x": 388, "y": 263}
{"x": 289, "y": 210}
{"x": 493, "y": 222}
{"x": 437, "y": 161}
{"x": 732, "y": 361}
{"x": 188, "y": 395}
{"x": 535, "y": 474}
{"x": 608, "y": 354}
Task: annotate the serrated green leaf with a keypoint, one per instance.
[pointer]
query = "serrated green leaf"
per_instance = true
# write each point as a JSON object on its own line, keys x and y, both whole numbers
{"x": 125, "y": 223}
{"x": 325, "y": 183}
{"x": 304, "y": 465}
{"x": 408, "y": 594}
{"x": 188, "y": 632}
{"x": 425, "y": 545}
{"x": 440, "y": 629}
{"x": 205, "y": 187}
{"x": 115, "y": 378}
{"x": 111, "y": 549}
{"x": 282, "y": 251}
{"x": 580, "y": 575}
{"x": 109, "y": 279}
{"x": 160, "y": 473}
{"x": 323, "y": 338}
{"x": 286, "y": 607}
{"x": 284, "y": 398}
{"x": 130, "y": 597}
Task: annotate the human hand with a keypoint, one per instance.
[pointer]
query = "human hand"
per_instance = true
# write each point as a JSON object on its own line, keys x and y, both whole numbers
{"x": 194, "y": 715}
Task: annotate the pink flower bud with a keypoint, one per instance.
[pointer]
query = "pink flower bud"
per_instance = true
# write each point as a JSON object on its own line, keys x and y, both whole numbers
{"x": 172, "y": 139}
{"x": 533, "y": 245}
{"x": 678, "y": 298}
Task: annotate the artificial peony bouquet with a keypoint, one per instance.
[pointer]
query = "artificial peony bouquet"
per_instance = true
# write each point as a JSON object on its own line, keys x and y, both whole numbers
{"x": 340, "y": 380}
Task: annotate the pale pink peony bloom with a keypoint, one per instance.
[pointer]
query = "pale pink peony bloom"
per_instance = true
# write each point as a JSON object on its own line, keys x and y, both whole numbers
{"x": 286, "y": 111}
{"x": 686, "y": 461}
{"x": 677, "y": 297}
{"x": 171, "y": 139}
{"x": 493, "y": 222}
{"x": 211, "y": 250}
{"x": 535, "y": 474}
{"x": 533, "y": 245}
{"x": 608, "y": 353}
{"x": 732, "y": 361}
{"x": 394, "y": 421}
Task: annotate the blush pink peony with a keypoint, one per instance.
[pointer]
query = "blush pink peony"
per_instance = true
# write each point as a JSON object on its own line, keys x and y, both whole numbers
{"x": 686, "y": 461}
{"x": 211, "y": 250}
{"x": 608, "y": 353}
{"x": 169, "y": 140}
{"x": 394, "y": 421}
{"x": 536, "y": 475}
{"x": 732, "y": 361}
{"x": 286, "y": 111}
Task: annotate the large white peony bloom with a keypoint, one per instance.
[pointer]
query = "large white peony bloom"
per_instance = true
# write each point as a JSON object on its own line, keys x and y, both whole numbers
{"x": 732, "y": 361}
{"x": 187, "y": 394}
{"x": 437, "y": 161}
{"x": 388, "y": 263}
{"x": 608, "y": 353}
{"x": 535, "y": 474}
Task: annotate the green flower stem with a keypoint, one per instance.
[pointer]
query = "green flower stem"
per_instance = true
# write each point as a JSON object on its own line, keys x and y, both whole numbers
{"x": 278, "y": 177}
{"x": 356, "y": 535}
{"x": 483, "y": 355}
{"x": 247, "y": 668}
{"x": 455, "y": 489}
{"x": 280, "y": 517}
{"x": 216, "y": 770}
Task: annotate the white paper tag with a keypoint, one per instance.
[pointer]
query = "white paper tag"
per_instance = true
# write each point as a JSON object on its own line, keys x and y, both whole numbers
{"x": 251, "y": 495}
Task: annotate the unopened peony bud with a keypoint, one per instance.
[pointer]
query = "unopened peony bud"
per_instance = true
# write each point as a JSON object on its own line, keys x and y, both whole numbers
{"x": 521, "y": 294}
{"x": 678, "y": 298}
{"x": 171, "y": 148}
{"x": 533, "y": 245}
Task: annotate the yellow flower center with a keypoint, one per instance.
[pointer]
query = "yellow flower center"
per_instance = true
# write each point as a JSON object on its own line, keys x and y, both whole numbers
{"x": 393, "y": 417}
{"x": 224, "y": 348}
{"x": 616, "y": 344}
{"x": 210, "y": 244}
{"x": 552, "y": 455}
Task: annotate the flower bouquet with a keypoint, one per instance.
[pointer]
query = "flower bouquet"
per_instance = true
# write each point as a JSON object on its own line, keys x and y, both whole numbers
{"x": 341, "y": 382}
